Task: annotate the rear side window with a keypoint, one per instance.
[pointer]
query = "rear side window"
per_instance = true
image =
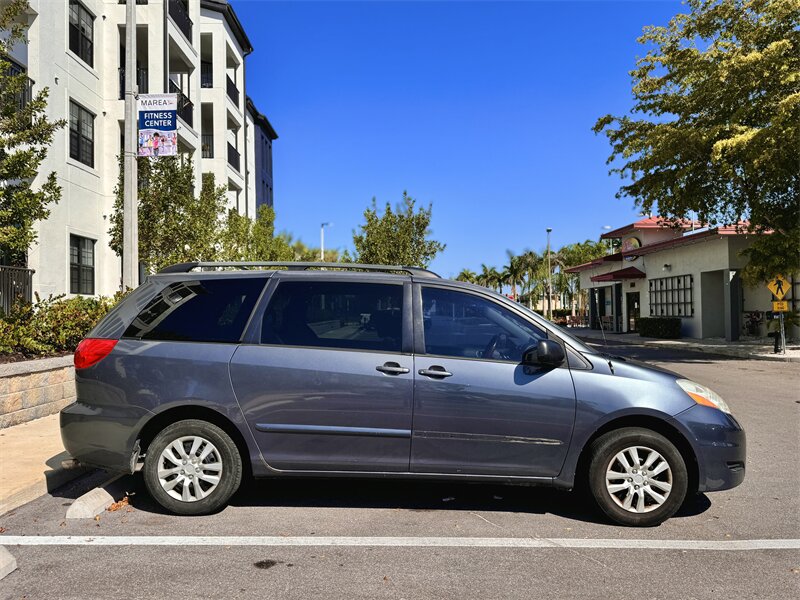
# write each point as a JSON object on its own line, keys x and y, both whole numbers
{"x": 351, "y": 316}
{"x": 207, "y": 310}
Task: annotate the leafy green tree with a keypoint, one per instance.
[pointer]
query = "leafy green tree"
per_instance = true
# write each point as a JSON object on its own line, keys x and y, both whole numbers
{"x": 715, "y": 125}
{"x": 174, "y": 225}
{"x": 265, "y": 244}
{"x": 398, "y": 237}
{"x": 25, "y": 136}
{"x": 244, "y": 239}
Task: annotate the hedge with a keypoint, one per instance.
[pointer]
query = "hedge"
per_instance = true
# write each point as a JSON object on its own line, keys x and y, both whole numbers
{"x": 54, "y": 325}
{"x": 659, "y": 327}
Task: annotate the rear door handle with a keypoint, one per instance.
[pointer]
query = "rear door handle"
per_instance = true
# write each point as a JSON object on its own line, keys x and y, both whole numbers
{"x": 392, "y": 368}
{"x": 436, "y": 372}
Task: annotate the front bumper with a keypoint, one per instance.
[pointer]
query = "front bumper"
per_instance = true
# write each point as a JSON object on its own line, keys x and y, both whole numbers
{"x": 102, "y": 436}
{"x": 720, "y": 447}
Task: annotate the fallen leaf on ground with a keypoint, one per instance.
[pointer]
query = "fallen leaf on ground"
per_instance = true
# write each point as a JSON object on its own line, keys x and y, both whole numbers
{"x": 117, "y": 505}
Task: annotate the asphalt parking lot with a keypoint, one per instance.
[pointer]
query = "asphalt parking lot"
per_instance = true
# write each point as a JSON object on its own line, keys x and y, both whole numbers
{"x": 303, "y": 539}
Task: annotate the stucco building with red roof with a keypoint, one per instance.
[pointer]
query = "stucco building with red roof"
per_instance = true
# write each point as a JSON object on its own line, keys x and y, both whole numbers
{"x": 676, "y": 270}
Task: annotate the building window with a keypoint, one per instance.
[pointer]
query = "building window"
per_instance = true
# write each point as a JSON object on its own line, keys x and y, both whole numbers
{"x": 672, "y": 296}
{"x": 81, "y": 32}
{"x": 81, "y": 265}
{"x": 81, "y": 134}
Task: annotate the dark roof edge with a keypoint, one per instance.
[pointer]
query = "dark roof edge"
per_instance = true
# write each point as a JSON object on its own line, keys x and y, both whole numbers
{"x": 227, "y": 11}
{"x": 260, "y": 119}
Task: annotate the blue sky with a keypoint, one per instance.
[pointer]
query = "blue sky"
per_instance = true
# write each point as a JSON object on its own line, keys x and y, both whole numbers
{"x": 484, "y": 109}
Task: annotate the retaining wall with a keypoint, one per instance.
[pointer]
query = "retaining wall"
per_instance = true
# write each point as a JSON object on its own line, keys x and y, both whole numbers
{"x": 35, "y": 388}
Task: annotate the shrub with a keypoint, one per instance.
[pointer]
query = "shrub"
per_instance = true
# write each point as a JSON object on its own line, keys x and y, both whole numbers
{"x": 51, "y": 326}
{"x": 660, "y": 327}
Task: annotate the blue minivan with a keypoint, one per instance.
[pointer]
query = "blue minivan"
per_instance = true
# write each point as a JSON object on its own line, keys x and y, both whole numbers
{"x": 209, "y": 372}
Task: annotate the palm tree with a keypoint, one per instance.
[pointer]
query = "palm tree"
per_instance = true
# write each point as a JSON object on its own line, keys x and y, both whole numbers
{"x": 489, "y": 277}
{"x": 531, "y": 264}
{"x": 467, "y": 276}
{"x": 514, "y": 271}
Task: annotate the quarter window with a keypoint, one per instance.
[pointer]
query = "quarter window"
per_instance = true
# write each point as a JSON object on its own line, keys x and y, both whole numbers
{"x": 81, "y": 265}
{"x": 200, "y": 310}
{"x": 351, "y": 316}
{"x": 81, "y": 32}
{"x": 81, "y": 134}
{"x": 467, "y": 326}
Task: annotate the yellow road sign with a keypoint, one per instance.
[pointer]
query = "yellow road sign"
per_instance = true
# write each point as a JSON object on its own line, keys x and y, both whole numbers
{"x": 782, "y": 306}
{"x": 778, "y": 286}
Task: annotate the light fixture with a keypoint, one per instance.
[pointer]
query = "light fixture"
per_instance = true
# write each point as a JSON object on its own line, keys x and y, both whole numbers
{"x": 666, "y": 267}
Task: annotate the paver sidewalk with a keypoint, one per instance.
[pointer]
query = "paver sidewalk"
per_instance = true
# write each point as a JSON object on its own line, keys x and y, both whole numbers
{"x": 30, "y": 462}
{"x": 743, "y": 349}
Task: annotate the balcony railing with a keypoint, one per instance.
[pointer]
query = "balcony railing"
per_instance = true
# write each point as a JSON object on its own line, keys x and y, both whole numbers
{"x": 233, "y": 91}
{"x": 206, "y": 74}
{"x": 233, "y": 157}
{"x": 16, "y": 284}
{"x": 207, "y": 144}
{"x": 26, "y": 95}
{"x": 180, "y": 15}
{"x": 185, "y": 106}
{"x": 142, "y": 82}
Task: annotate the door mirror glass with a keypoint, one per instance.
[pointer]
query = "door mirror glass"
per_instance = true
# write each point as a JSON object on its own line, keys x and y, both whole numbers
{"x": 547, "y": 353}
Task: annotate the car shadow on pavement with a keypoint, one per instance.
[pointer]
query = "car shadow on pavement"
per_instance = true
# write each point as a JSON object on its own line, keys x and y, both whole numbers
{"x": 416, "y": 496}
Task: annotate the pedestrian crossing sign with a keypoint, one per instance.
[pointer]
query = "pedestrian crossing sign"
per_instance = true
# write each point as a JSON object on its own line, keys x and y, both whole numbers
{"x": 778, "y": 286}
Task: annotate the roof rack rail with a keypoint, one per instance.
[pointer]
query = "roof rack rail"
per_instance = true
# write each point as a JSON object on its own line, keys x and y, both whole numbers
{"x": 186, "y": 267}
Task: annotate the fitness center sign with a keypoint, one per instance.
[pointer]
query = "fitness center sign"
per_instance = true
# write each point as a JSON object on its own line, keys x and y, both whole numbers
{"x": 158, "y": 124}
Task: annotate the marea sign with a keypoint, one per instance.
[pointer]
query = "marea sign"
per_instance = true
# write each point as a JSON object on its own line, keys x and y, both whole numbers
{"x": 158, "y": 124}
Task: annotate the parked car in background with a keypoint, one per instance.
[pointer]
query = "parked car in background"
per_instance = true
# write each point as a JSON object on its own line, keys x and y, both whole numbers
{"x": 209, "y": 372}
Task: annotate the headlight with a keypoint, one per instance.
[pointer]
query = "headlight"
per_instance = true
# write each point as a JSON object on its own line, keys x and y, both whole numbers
{"x": 703, "y": 395}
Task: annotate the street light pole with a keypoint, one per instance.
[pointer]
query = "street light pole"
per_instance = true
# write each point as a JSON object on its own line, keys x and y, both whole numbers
{"x": 130, "y": 212}
{"x": 322, "y": 240}
{"x": 549, "y": 278}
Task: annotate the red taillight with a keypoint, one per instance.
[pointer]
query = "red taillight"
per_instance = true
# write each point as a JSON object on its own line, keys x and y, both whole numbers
{"x": 91, "y": 351}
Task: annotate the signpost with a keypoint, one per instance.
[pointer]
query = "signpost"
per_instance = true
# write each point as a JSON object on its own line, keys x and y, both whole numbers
{"x": 158, "y": 124}
{"x": 779, "y": 286}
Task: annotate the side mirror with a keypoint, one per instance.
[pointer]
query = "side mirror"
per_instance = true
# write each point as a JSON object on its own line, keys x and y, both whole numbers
{"x": 546, "y": 353}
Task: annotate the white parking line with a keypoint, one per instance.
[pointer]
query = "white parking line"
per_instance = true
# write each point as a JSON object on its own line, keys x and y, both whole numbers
{"x": 399, "y": 542}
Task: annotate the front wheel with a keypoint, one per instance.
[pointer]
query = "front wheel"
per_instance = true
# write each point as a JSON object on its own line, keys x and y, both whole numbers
{"x": 192, "y": 467}
{"x": 637, "y": 476}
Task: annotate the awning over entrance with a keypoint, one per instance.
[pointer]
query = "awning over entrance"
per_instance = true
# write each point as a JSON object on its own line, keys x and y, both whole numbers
{"x": 620, "y": 275}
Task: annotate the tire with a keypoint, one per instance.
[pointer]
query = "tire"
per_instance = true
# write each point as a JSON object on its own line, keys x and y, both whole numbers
{"x": 192, "y": 483}
{"x": 649, "y": 493}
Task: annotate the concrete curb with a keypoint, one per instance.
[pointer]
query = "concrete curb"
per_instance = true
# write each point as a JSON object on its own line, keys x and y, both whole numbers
{"x": 50, "y": 481}
{"x": 705, "y": 348}
{"x": 96, "y": 500}
{"x": 8, "y": 563}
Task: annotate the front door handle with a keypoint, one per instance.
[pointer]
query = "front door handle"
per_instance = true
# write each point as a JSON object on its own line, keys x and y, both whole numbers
{"x": 392, "y": 368}
{"x": 436, "y": 372}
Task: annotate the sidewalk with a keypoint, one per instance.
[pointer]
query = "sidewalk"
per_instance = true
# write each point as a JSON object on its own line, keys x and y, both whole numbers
{"x": 757, "y": 349}
{"x": 30, "y": 462}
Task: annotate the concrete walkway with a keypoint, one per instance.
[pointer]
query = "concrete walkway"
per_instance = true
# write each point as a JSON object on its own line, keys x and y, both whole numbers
{"x": 756, "y": 349}
{"x": 30, "y": 462}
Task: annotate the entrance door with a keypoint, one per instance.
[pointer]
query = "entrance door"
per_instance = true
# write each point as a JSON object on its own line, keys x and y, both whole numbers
{"x": 632, "y": 302}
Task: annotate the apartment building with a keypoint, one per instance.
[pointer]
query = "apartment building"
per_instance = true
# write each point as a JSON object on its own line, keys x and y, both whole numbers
{"x": 193, "y": 48}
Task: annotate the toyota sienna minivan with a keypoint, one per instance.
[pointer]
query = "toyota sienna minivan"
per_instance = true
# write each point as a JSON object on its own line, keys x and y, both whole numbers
{"x": 211, "y": 372}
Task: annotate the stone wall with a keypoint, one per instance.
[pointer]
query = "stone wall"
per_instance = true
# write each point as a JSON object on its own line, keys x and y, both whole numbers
{"x": 35, "y": 388}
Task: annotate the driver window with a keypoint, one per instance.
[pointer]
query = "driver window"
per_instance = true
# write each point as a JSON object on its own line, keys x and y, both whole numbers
{"x": 466, "y": 326}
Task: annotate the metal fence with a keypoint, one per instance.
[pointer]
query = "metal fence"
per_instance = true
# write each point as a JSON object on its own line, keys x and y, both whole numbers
{"x": 15, "y": 283}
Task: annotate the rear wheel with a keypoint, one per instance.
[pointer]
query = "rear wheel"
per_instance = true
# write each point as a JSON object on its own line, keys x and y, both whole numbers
{"x": 192, "y": 467}
{"x": 637, "y": 476}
